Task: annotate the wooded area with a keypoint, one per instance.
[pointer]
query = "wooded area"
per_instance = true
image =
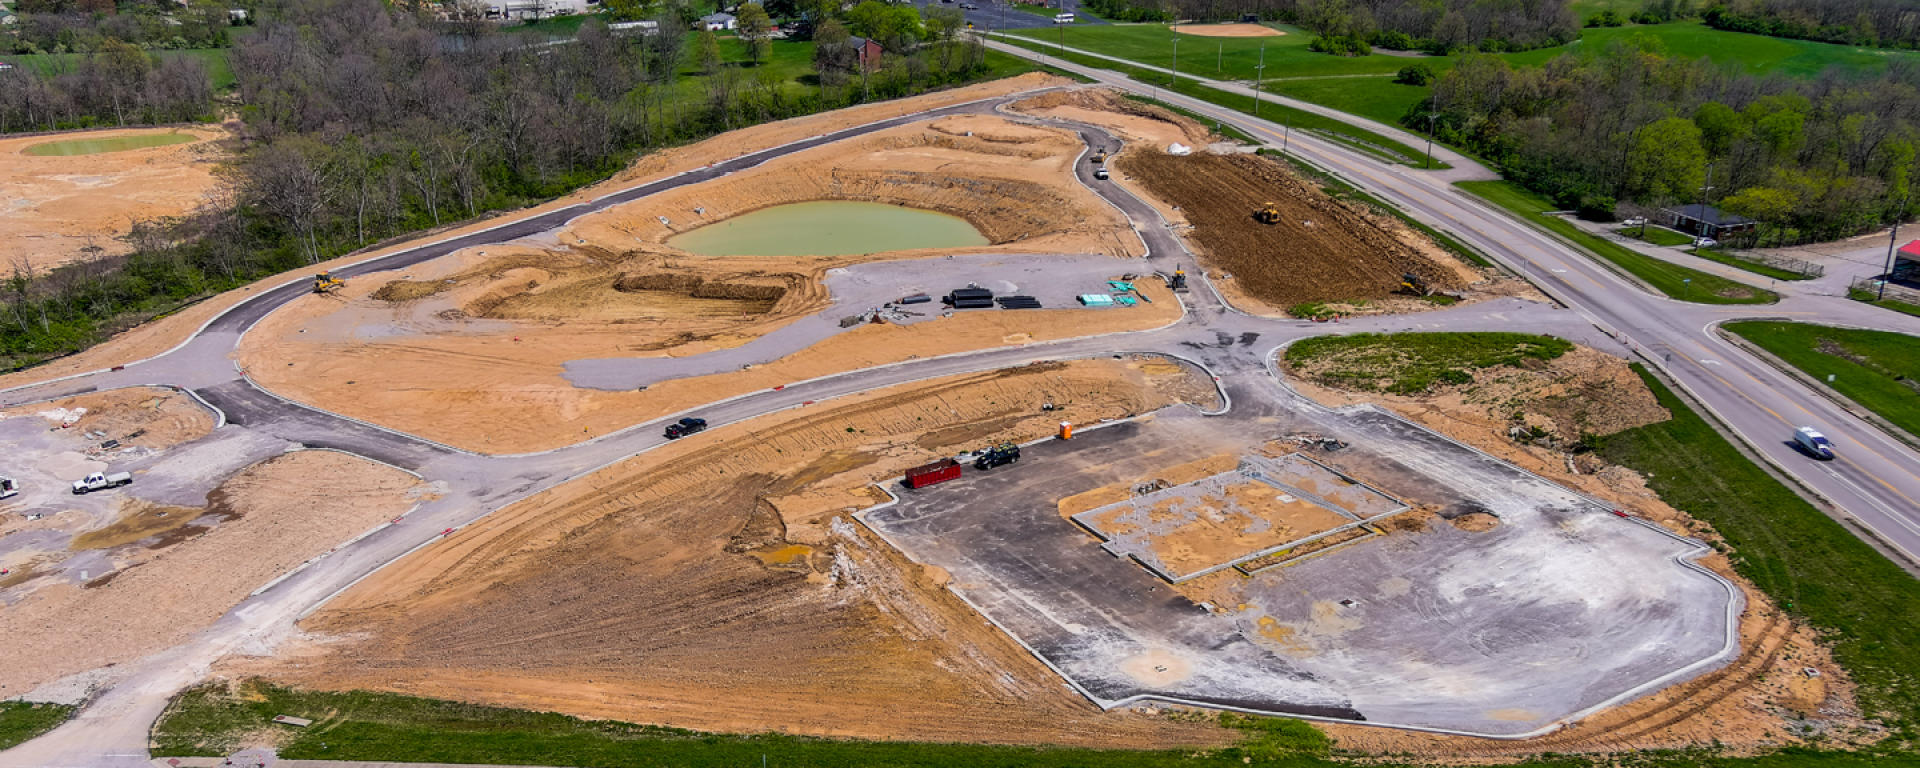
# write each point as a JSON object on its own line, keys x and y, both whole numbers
{"x": 1827, "y": 157}
{"x": 360, "y": 122}
{"x": 1877, "y": 23}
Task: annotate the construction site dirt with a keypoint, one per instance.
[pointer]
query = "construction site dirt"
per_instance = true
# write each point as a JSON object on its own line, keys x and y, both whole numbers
{"x": 63, "y": 209}
{"x": 1319, "y": 249}
{"x": 760, "y": 607}
{"x": 138, "y": 569}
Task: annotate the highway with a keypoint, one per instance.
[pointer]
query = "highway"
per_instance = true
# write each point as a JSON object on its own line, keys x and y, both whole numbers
{"x": 1874, "y": 482}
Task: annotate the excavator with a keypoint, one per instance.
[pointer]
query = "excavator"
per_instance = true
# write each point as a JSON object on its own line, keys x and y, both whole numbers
{"x": 1267, "y": 215}
{"x": 325, "y": 282}
{"x": 1414, "y": 285}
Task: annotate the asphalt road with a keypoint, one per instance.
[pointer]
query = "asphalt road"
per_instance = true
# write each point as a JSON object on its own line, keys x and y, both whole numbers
{"x": 1874, "y": 481}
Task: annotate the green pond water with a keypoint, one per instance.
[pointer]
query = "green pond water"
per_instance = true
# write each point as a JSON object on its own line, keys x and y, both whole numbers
{"x": 116, "y": 144}
{"x": 829, "y": 229}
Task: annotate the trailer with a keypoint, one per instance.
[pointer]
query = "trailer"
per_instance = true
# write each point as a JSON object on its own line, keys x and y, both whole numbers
{"x": 931, "y": 474}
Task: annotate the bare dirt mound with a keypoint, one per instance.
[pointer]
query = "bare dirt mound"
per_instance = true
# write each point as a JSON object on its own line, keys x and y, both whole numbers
{"x": 144, "y": 417}
{"x": 718, "y": 583}
{"x": 1153, "y": 125}
{"x": 272, "y": 517}
{"x": 1227, "y": 30}
{"x": 1320, "y": 250}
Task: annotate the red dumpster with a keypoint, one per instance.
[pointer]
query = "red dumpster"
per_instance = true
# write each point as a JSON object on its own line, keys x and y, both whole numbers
{"x": 928, "y": 474}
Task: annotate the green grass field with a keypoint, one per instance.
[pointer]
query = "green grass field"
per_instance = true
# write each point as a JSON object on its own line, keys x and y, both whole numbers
{"x": 1382, "y": 99}
{"x": 20, "y": 721}
{"x": 1360, "y": 139}
{"x": 1897, "y": 306}
{"x": 1412, "y": 363}
{"x": 1668, "y": 278}
{"x": 214, "y": 59}
{"x": 1657, "y": 235}
{"x": 1876, "y": 369}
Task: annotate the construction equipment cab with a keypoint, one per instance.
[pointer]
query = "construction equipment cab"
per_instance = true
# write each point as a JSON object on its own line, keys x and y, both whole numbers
{"x": 98, "y": 481}
{"x": 1004, "y": 453}
{"x": 1814, "y": 443}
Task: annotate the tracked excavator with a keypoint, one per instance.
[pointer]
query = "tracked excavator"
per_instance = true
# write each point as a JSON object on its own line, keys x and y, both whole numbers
{"x": 325, "y": 282}
{"x": 1267, "y": 215}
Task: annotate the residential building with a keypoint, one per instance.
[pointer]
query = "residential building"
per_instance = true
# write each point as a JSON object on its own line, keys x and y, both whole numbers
{"x": 716, "y": 22}
{"x": 1707, "y": 221}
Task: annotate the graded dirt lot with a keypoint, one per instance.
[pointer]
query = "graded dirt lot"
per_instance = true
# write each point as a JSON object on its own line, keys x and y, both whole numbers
{"x": 167, "y": 572}
{"x": 158, "y": 336}
{"x": 53, "y": 208}
{"x": 718, "y": 583}
{"x": 1321, "y": 250}
{"x": 1227, "y": 30}
{"x": 440, "y": 349}
{"x": 1765, "y": 699}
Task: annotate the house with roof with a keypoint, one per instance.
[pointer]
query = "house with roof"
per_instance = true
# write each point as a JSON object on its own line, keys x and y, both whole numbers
{"x": 1906, "y": 264}
{"x": 716, "y": 22}
{"x": 867, "y": 52}
{"x": 1703, "y": 220}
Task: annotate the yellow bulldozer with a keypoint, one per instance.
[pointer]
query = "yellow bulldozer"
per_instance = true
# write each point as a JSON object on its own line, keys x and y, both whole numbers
{"x": 325, "y": 282}
{"x": 1412, "y": 283}
{"x": 1267, "y": 215}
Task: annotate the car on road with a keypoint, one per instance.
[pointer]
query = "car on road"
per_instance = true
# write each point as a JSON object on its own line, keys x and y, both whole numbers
{"x": 1815, "y": 444}
{"x": 969, "y": 7}
{"x": 685, "y": 427}
{"x": 1705, "y": 242}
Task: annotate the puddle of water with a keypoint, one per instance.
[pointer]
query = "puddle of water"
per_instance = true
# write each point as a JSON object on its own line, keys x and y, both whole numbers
{"x": 830, "y": 228}
{"x": 116, "y": 144}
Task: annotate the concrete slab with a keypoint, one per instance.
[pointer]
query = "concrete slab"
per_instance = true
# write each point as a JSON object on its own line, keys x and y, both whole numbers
{"x": 1562, "y": 609}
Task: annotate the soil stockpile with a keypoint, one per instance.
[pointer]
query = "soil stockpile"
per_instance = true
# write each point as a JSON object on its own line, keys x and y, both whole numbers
{"x": 1320, "y": 250}
{"x": 1227, "y": 30}
{"x": 271, "y": 518}
{"x": 1155, "y": 126}
{"x": 67, "y": 209}
{"x": 719, "y": 583}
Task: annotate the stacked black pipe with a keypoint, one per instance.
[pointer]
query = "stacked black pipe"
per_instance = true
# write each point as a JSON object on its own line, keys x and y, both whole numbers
{"x": 970, "y": 298}
{"x": 1018, "y": 302}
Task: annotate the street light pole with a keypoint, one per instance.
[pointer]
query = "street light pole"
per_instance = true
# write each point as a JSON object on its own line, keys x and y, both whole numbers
{"x": 1174, "y": 84}
{"x": 1891, "y": 241}
{"x": 1430, "y": 117}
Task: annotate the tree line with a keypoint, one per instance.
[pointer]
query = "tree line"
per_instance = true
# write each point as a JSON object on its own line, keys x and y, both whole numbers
{"x": 82, "y": 26}
{"x": 362, "y": 122}
{"x": 1827, "y": 157}
{"x": 115, "y": 85}
{"x": 1882, "y": 23}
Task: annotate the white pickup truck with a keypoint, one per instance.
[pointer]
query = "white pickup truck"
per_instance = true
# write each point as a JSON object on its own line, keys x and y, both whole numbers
{"x": 98, "y": 481}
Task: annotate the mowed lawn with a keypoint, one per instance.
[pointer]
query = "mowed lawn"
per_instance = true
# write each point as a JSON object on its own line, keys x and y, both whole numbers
{"x": 1876, "y": 369}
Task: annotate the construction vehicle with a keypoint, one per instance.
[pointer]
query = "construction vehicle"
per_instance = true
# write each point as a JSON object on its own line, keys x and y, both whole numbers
{"x": 929, "y": 474}
{"x": 1267, "y": 215}
{"x": 1414, "y": 285}
{"x": 9, "y": 487}
{"x": 98, "y": 481}
{"x": 1176, "y": 282}
{"x": 1815, "y": 444}
{"x": 1099, "y": 157}
{"x": 325, "y": 282}
{"x": 1004, "y": 453}
{"x": 685, "y": 427}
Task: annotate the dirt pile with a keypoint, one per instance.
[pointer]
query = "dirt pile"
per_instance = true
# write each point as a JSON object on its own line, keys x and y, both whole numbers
{"x": 152, "y": 596}
{"x": 718, "y": 583}
{"x": 67, "y": 209}
{"x": 1320, "y": 250}
{"x": 140, "y": 417}
{"x": 1155, "y": 126}
{"x": 1227, "y": 30}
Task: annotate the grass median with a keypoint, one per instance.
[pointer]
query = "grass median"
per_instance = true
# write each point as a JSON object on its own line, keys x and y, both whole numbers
{"x": 1871, "y": 297}
{"x": 1411, "y": 363}
{"x": 1876, "y": 369}
{"x": 1670, "y": 279}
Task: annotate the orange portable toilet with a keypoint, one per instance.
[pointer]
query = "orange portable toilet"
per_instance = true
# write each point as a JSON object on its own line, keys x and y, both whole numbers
{"x": 1066, "y": 430}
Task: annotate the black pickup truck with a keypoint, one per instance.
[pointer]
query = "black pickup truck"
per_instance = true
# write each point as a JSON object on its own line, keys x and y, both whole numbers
{"x": 685, "y": 427}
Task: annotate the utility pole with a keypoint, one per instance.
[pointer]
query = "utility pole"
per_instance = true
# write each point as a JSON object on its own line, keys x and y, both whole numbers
{"x": 1174, "y": 84}
{"x": 1259, "y": 74}
{"x": 1220, "y": 58}
{"x": 1703, "y": 202}
{"x": 1287, "y": 135}
{"x": 1430, "y": 117}
{"x": 1891, "y": 241}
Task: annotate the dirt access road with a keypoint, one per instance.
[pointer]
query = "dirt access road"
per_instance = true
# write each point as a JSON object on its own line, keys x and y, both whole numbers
{"x": 113, "y": 729}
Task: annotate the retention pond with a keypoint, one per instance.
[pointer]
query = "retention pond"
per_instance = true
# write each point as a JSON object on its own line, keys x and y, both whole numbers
{"x": 834, "y": 228}
{"x": 115, "y": 144}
